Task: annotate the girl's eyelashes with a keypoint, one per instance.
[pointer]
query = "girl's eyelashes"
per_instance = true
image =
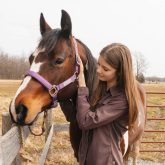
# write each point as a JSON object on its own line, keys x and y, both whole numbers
{"x": 104, "y": 68}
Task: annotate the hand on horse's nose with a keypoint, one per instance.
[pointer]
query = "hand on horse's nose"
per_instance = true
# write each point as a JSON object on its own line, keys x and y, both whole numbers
{"x": 21, "y": 111}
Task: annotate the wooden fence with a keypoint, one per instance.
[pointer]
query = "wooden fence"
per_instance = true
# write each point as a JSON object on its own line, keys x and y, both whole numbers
{"x": 10, "y": 141}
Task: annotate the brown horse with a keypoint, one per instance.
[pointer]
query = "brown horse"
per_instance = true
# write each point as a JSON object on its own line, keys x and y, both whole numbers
{"x": 52, "y": 78}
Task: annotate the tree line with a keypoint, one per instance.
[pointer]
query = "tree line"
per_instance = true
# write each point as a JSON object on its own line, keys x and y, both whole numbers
{"x": 155, "y": 79}
{"x": 12, "y": 67}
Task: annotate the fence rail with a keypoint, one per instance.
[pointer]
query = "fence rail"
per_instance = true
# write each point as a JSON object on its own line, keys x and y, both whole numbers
{"x": 10, "y": 142}
{"x": 157, "y": 119}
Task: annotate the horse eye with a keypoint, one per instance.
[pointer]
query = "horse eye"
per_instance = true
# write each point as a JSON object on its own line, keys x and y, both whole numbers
{"x": 58, "y": 61}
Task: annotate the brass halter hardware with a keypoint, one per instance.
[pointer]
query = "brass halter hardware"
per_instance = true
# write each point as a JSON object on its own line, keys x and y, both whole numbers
{"x": 53, "y": 91}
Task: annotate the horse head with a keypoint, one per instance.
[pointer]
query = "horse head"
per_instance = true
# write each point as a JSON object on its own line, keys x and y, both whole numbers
{"x": 53, "y": 72}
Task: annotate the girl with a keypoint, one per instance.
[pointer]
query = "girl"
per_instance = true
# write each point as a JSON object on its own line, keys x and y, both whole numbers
{"x": 113, "y": 109}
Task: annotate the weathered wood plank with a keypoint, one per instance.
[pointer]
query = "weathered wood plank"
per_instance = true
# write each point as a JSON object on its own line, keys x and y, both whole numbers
{"x": 1, "y": 158}
{"x": 46, "y": 147}
{"x": 6, "y": 126}
{"x": 6, "y": 122}
{"x": 10, "y": 143}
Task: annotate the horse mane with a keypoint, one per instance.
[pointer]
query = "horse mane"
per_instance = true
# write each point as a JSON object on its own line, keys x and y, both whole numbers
{"x": 90, "y": 70}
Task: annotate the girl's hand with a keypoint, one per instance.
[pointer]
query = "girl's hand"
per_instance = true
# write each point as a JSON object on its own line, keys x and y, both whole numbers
{"x": 81, "y": 64}
{"x": 81, "y": 78}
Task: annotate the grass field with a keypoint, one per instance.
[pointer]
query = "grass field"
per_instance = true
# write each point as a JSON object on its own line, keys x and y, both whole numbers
{"x": 62, "y": 153}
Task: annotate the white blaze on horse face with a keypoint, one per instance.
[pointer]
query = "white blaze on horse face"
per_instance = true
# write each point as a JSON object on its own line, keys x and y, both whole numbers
{"x": 23, "y": 85}
{"x": 34, "y": 67}
{"x": 125, "y": 136}
{"x": 37, "y": 51}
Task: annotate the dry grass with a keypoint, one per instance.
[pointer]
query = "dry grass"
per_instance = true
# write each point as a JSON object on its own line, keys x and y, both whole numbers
{"x": 61, "y": 151}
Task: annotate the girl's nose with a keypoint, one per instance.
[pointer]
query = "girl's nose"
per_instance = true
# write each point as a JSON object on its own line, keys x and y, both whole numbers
{"x": 98, "y": 69}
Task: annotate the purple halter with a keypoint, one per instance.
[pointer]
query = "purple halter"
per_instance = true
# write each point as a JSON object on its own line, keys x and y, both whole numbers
{"x": 54, "y": 89}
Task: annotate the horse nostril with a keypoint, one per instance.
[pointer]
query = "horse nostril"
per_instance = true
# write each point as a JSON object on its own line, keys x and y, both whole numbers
{"x": 21, "y": 111}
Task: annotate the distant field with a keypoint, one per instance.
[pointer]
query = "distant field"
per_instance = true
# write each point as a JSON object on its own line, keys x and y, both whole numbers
{"x": 8, "y": 87}
{"x": 62, "y": 153}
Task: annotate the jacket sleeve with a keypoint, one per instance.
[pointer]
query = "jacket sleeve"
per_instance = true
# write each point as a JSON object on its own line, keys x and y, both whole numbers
{"x": 102, "y": 115}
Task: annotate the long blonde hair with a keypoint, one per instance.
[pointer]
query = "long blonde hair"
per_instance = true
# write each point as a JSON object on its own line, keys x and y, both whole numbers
{"x": 119, "y": 57}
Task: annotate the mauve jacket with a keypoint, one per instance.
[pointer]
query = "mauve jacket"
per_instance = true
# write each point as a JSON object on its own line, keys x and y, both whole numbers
{"x": 102, "y": 129}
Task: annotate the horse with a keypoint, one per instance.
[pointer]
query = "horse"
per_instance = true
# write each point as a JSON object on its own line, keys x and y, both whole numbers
{"x": 52, "y": 78}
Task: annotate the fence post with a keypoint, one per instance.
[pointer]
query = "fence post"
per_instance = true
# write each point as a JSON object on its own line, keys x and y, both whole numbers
{"x": 6, "y": 126}
{"x": 48, "y": 124}
{"x": 6, "y": 122}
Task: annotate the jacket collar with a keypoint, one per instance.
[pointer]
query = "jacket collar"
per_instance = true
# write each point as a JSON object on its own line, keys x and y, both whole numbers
{"x": 115, "y": 90}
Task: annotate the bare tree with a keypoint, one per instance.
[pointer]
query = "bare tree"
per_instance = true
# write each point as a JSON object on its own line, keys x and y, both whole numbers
{"x": 12, "y": 67}
{"x": 140, "y": 65}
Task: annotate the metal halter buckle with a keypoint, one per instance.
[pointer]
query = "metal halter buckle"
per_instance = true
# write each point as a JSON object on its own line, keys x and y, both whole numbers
{"x": 53, "y": 91}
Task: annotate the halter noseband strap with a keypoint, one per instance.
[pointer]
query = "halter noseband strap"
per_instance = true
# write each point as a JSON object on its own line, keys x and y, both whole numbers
{"x": 54, "y": 89}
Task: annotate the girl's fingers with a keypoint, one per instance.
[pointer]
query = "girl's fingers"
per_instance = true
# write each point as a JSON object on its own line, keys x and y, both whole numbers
{"x": 79, "y": 59}
{"x": 80, "y": 63}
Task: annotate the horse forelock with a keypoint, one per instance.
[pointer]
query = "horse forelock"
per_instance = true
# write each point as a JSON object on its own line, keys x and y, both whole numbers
{"x": 46, "y": 45}
{"x": 49, "y": 40}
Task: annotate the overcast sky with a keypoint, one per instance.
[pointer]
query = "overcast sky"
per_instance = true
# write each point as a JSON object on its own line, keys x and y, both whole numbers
{"x": 139, "y": 24}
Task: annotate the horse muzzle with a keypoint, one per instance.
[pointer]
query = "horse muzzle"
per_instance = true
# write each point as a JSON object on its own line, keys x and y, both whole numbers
{"x": 20, "y": 114}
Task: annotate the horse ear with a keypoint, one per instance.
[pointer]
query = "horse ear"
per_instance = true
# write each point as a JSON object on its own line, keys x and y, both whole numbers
{"x": 66, "y": 24}
{"x": 44, "y": 27}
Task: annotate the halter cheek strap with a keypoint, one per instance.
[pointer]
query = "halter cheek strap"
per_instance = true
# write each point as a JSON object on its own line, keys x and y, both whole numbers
{"x": 54, "y": 89}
